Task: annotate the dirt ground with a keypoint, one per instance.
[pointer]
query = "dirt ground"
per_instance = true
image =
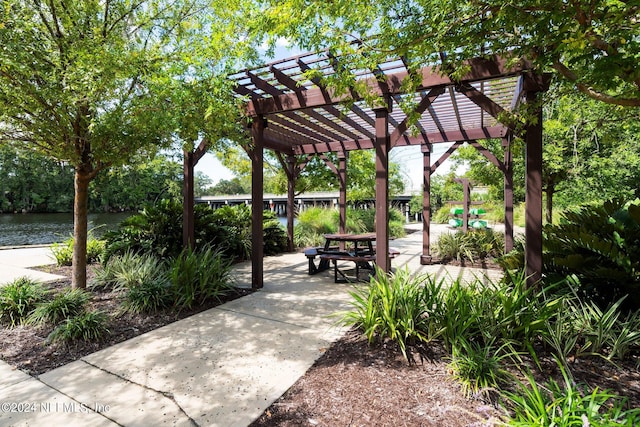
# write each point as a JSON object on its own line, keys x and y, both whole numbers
{"x": 352, "y": 383}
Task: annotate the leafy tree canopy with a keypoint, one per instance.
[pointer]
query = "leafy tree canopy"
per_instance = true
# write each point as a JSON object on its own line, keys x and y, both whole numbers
{"x": 594, "y": 45}
{"x": 94, "y": 82}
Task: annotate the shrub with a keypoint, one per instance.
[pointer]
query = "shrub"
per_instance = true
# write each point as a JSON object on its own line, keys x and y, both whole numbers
{"x": 441, "y": 216}
{"x": 275, "y": 239}
{"x": 148, "y": 296}
{"x": 473, "y": 246}
{"x": 600, "y": 245}
{"x": 568, "y": 404}
{"x": 88, "y": 326}
{"x": 63, "y": 252}
{"x": 127, "y": 270}
{"x": 313, "y": 223}
{"x": 395, "y": 306}
{"x": 478, "y": 366}
{"x": 18, "y": 299}
{"x": 157, "y": 230}
{"x": 200, "y": 276}
{"x": 64, "y": 305}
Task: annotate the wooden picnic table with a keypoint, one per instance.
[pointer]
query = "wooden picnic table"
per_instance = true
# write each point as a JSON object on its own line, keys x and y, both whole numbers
{"x": 356, "y": 248}
{"x": 354, "y": 239}
{"x": 348, "y": 250}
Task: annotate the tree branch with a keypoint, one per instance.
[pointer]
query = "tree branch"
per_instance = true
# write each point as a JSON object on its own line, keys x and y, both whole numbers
{"x": 592, "y": 93}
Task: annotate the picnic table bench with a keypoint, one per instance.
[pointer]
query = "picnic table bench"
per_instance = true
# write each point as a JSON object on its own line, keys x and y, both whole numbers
{"x": 361, "y": 260}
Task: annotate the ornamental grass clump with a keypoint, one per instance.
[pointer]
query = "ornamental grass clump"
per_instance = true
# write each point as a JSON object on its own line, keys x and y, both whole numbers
{"x": 122, "y": 272}
{"x": 199, "y": 276}
{"x": 480, "y": 367}
{"x": 18, "y": 299}
{"x": 64, "y": 305}
{"x": 473, "y": 246}
{"x": 583, "y": 328}
{"x": 399, "y": 306}
{"x": 149, "y": 296}
{"x": 565, "y": 404}
{"x": 86, "y": 326}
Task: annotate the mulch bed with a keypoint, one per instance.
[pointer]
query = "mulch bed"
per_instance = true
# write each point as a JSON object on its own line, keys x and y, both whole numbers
{"x": 357, "y": 384}
{"x": 351, "y": 384}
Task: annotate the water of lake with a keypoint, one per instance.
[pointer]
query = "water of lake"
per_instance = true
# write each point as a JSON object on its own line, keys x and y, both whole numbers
{"x": 38, "y": 229}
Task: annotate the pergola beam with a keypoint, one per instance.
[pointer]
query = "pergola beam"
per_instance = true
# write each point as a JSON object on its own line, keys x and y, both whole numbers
{"x": 479, "y": 69}
{"x": 426, "y": 101}
{"x": 436, "y": 137}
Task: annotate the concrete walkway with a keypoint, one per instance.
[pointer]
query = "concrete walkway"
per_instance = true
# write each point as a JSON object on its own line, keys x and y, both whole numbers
{"x": 222, "y": 367}
{"x": 16, "y": 263}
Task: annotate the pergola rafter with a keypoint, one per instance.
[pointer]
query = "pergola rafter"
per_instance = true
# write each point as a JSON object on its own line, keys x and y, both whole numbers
{"x": 296, "y": 113}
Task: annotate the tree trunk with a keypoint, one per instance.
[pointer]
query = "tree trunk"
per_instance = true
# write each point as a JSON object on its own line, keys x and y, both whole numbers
{"x": 188, "y": 215}
{"x": 551, "y": 188}
{"x": 80, "y": 214}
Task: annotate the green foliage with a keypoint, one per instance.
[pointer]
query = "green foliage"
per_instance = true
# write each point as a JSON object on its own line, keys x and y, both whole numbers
{"x": 224, "y": 187}
{"x": 473, "y": 246}
{"x": 31, "y": 182}
{"x": 314, "y": 222}
{"x": 582, "y": 328}
{"x": 485, "y": 326}
{"x": 86, "y": 326}
{"x": 131, "y": 187}
{"x": 64, "y": 305}
{"x": 200, "y": 276}
{"x": 275, "y": 238}
{"x": 149, "y": 296}
{"x": 569, "y": 404}
{"x": 143, "y": 279}
{"x": 479, "y": 367}
{"x": 148, "y": 284}
{"x": 107, "y": 86}
{"x": 63, "y": 252}
{"x": 442, "y": 215}
{"x": 230, "y": 230}
{"x": 394, "y": 307}
{"x": 600, "y": 245}
{"x": 18, "y": 299}
{"x": 602, "y": 64}
{"x": 157, "y": 230}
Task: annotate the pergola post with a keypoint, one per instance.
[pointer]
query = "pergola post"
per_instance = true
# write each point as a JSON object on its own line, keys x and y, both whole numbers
{"x": 508, "y": 196}
{"x": 382, "y": 146}
{"x": 466, "y": 202}
{"x": 257, "y": 202}
{"x": 342, "y": 201}
{"x": 533, "y": 191}
{"x": 291, "y": 195}
{"x": 425, "y": 258}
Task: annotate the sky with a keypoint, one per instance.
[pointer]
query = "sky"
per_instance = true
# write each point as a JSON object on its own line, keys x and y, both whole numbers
{"x": 409, "y": 158}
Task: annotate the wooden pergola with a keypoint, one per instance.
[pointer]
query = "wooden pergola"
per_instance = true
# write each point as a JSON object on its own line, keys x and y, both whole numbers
{"x": 298, "y": 118}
